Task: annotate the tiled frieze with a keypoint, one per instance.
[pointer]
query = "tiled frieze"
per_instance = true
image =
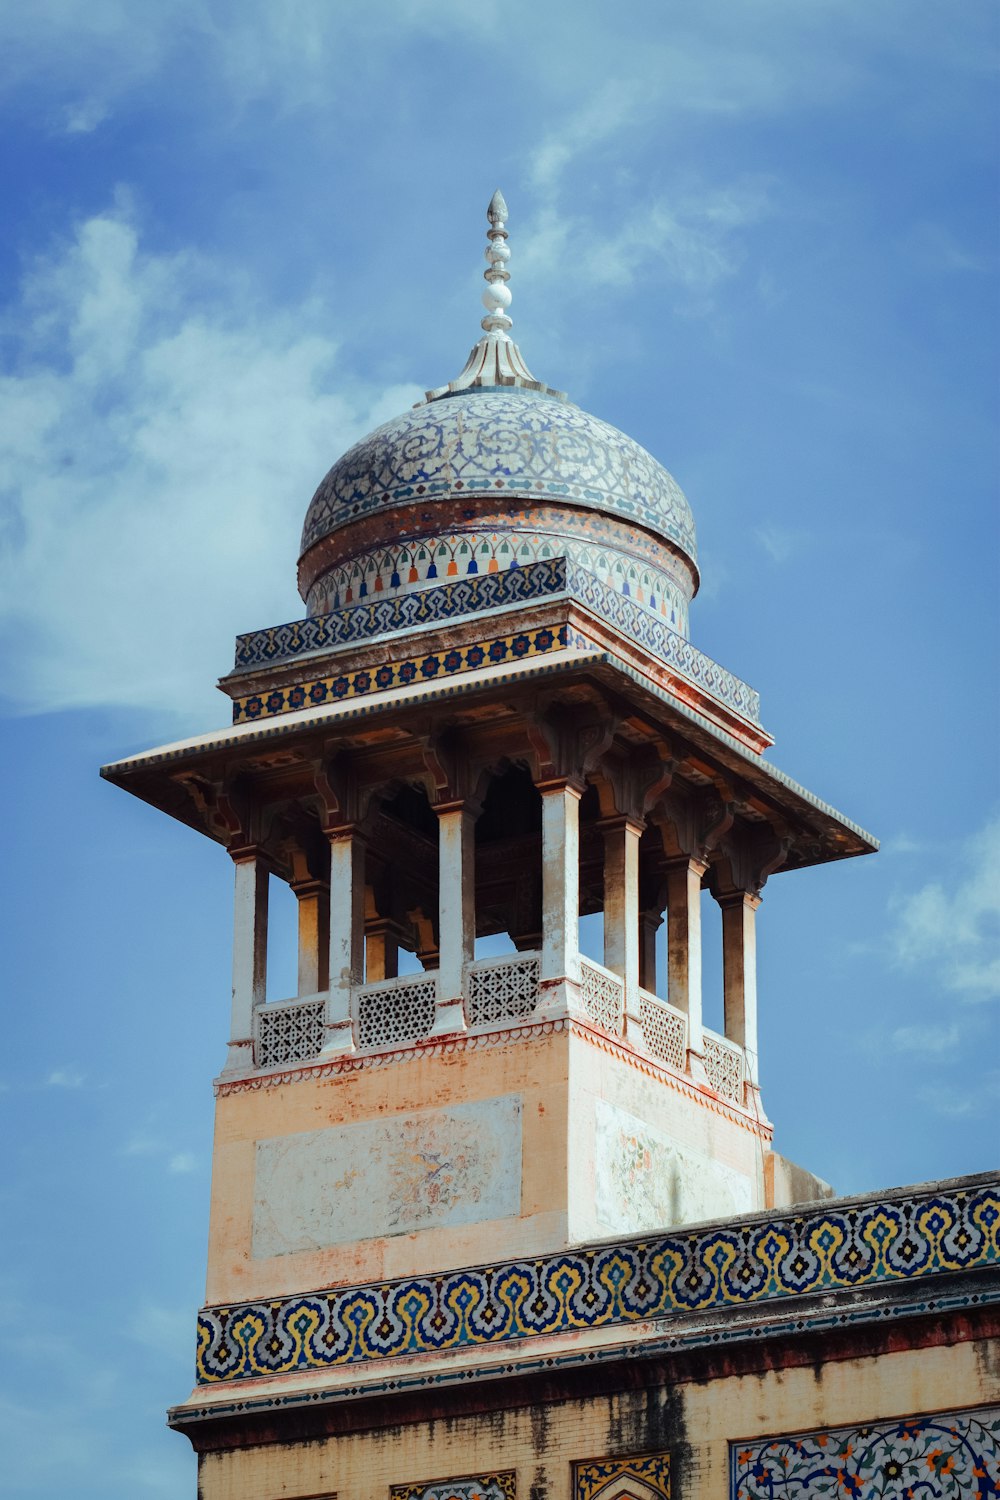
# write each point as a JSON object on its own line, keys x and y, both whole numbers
{"x": 467, "y": 596}
{"x": 665, "y": 643}
{"x": 892, "y": 1240}
{"x": 367, "y": 620}
{"x": 600, "y": 1477}
{"x": 950, "y": 1456}
{"x": 494, "y": 1486}
{"x": 401, "y": 673}
{"x": 417, "y": 565}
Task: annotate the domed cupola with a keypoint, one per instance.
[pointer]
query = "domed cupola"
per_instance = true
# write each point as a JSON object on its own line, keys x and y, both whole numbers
{"x": 497, "y": 471}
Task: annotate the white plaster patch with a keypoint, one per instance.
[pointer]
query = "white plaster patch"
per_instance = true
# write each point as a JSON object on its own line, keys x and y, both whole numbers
{"x": 426, "y": 1170}
{"x": 644, "y": 1180}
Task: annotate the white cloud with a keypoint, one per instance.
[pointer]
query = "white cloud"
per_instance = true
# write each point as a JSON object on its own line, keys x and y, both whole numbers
{"x": 182, "y": 1162}
{"x": 690, "y": 245}
{"x": 162, "y": 436}
{"x": 927, "y": 1041}
{"x": 952, "y": 927}
{"x": 65, "y": 1078}
{"x": 778, "y": 542}
{"x": 84, "y": 116}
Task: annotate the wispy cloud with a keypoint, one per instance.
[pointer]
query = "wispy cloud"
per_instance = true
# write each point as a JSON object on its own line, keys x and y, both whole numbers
{"x": 778, "y": 542}
{"x": 952, "y": 926}
{"x": 162, "y": 437}
{"x": 926, "y": 1040}
{"x": 65, "y": 1078}
{"x": 694, "y": 243}
{"x": 182, "y": 1162}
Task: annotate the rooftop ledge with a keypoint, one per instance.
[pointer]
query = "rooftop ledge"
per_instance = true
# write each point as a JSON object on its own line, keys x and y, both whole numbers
{"x": 144, "y": 774}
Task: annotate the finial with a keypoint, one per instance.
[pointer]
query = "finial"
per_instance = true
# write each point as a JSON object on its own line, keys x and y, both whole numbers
{"x": 496, "y": 361}
{"x": 496, "y": 298}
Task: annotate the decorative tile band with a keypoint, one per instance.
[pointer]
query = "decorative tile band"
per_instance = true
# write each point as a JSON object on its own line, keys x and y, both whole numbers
{"x": 592, "y": 1478}
{"x": 312, "y": 693}
{"x": 489, "y": 591}
{"x": 665, "y": 643}
{"x": 428, "y": 606}
{"x": 952, "y": 1456}
{"x": 404, "y": 567}
{"x": 883, "y": 1241}
{"x": 493, "y": 1486}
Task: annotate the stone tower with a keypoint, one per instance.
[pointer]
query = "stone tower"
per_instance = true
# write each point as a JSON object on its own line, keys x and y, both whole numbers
{"x": 490, "y": 723}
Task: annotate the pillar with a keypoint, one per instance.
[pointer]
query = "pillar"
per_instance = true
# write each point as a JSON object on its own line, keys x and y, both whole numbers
{"x": 381, "y": 952}
{"x": 249, "y": 954}
{"x": 650, "y": 923}
{"x": 456, "y": 911}
{"x": 560, "y": 883}
{"x": 347, "y": 935}
{"x": 739, "y": 974}
{"x": 684, "y": 950}
{"x": 621, "y": 913}
{"x": 313, "y": 897}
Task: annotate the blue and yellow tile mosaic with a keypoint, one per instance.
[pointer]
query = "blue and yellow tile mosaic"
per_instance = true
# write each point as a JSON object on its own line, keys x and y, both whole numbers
{"x": 492, "y": 1486}
{"x": 335, "y": 689}
{"x": 951, "y": 1456}
{"x": 592, "y": 1478}
{"x": 898, "y": 1239}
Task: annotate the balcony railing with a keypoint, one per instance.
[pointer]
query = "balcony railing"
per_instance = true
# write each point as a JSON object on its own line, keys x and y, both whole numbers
{"x": 724, "y": 1066}
{"x": 502, "y": 989}
{"x": 664, "y": 1030}
{"x": 602, "y": 995}
{"x": 498, "y": 990}
{"x": 286, "y": 1031}
{"x": 396, "y": 1010}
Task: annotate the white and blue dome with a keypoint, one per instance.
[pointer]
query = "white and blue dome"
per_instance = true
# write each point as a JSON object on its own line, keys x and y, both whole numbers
{"x": 492, "y": 471}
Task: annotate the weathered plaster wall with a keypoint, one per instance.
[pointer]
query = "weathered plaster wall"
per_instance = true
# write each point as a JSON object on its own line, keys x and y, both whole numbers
{"x": 646, "y": 1155}
{"x": 695, "y": 1422}
{"x": 340, "y": 1179}
{"x": 448, "y": 1159}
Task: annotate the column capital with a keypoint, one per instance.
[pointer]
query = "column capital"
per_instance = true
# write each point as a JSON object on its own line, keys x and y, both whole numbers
{"x": 684, "y": 862}
{"x": 243, "y": 854}
{"x": 621, "y": 823}
{"x": 575, "y": 785}
{"x": 340, "y": 832}
{"x": 471, "y": 806}
{"x": 728, "y": 899}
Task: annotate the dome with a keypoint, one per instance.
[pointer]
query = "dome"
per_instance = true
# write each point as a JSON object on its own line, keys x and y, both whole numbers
{"x": 494, "y": 471}
{"x": 501, "y": 442}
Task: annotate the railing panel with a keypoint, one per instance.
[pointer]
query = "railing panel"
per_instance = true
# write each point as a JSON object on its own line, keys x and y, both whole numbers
{"x": 287, "y": 1031}
{"x": 664, "y": 1030}
{"x": 502, "y": 989}
{"x": 396, "y": 1010}
{"x": 724, "y": 1066}
{"x": 603, "y": 996}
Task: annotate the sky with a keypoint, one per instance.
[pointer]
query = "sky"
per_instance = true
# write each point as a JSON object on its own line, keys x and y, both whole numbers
{"x": 757, "y": 235}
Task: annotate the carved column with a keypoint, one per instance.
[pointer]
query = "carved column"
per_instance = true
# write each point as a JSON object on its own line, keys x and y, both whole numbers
{"x": 560, "y": 885}
{"x": 456, "y": 910}
{"x": 249, "y": 953}
{"x": 347, "y": 934}
{"x": 621, "y": 913}
{"x": 684, "y": 878}
{"x": 739, "y": 973}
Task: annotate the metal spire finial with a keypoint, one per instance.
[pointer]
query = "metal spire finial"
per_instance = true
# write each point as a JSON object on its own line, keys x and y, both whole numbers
{"x": 496, "y": 360}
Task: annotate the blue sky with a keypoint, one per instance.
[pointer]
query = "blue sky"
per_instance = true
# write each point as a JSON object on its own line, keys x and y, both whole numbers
{"x": 760, "y": 236}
